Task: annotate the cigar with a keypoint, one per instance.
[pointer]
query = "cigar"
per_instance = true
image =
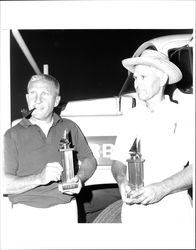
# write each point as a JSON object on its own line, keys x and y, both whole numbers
{"x": 27, "y": 114}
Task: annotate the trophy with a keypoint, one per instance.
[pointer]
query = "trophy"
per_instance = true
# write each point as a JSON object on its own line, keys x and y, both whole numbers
{"x": 135, "y": 167}
{"x": 66, "y": 152}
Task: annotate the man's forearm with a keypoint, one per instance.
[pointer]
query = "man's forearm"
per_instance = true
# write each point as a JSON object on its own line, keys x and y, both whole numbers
{"x": 119, "y": 171}
{"x": 87, "y": 169}
{"x": 178, "y": 182}
{"x": 17, "y": 185}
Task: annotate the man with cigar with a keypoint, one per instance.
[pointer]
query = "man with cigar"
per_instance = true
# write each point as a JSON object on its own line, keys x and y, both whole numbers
{"x": 32, "y": 161}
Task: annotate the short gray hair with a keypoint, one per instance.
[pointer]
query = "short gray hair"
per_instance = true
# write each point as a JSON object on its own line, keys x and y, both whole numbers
{"x": 47, "y": 78}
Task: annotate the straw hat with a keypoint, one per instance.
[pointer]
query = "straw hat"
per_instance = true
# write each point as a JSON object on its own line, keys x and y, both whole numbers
{"x": 156, "y": 59}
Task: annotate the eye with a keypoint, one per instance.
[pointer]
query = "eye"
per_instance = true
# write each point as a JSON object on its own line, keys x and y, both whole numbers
{"x": 45, "y": 93}
{"x": 142, "y": 77}
{"x": 31, "y": 93}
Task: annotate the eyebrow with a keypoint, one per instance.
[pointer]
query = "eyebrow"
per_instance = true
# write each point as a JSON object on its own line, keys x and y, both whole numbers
{"x": 33, "y": 89}
{"x": 140, "y": 74}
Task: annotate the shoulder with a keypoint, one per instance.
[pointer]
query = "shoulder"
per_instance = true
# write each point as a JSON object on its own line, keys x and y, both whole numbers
{"x": 14, "y": 131}
{"x": 170, "y": 108}
{"x": 18, "y": 128}
{"x": 68, "y": 122}
{"x": 62, "y": 121}
{"x": 134, "y": 115}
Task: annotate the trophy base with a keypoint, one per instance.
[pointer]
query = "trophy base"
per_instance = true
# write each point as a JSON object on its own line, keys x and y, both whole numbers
{"x": 67, "y": 185}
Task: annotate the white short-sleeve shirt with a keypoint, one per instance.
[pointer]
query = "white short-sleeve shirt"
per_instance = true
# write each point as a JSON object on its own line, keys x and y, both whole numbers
{"x": 165, "y": 136}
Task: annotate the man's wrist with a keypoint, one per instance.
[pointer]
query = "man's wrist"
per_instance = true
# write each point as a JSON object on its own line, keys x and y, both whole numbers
{"x": 164, "y": 187}
{"x": 121, "y": 180}
{"x": 38, "y": 179}
{"x": 80, "y": 179}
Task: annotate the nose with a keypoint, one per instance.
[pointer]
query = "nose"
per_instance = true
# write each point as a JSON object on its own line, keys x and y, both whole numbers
{"x": 138, "y": 81}
{"x": 38, "y": 99}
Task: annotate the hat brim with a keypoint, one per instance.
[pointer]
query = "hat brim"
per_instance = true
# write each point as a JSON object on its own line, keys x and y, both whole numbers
{"x": 166, "y": 66}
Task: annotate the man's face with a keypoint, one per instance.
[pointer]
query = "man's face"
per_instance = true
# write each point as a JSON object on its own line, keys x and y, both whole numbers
{"x": 42, "y": 96}
{"x": 147, "y": 82}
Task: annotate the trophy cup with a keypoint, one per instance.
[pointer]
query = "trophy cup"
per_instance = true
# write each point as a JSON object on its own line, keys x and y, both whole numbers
{"x": 66, "y": 152}
{"x": 135, "y": 167}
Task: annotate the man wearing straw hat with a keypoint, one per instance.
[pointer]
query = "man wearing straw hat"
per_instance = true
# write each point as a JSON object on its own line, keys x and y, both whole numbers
{"x": 167, "y": 146}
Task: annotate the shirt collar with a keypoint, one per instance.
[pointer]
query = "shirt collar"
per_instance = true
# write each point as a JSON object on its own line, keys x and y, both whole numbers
{"x": 26, "y": 123}
{"x": 160, "y": 106}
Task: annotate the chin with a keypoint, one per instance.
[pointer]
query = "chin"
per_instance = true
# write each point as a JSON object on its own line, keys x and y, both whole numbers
{"x": 143, "y": 98}
{"x": 38, "y": 117}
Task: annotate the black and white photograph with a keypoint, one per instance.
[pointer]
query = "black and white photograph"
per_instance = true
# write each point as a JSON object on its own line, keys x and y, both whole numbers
{"x": 97, "y": 124}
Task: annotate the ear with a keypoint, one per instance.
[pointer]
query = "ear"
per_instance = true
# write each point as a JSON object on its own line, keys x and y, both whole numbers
{"x": 58, "y": 98}
{"x": 164, "y": 79}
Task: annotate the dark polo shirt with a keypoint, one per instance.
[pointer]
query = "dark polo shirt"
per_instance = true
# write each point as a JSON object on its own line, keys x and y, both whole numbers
{"x": 27, "y": 151}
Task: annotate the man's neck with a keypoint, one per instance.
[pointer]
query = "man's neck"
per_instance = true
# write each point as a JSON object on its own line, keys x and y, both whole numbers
{"x": 44, "y": 125}
{"x": 41, "y": 122}
{"x": 153, "y": 102}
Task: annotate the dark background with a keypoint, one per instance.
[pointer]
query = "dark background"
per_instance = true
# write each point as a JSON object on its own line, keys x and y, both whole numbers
{"x": 87, "y": 63}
